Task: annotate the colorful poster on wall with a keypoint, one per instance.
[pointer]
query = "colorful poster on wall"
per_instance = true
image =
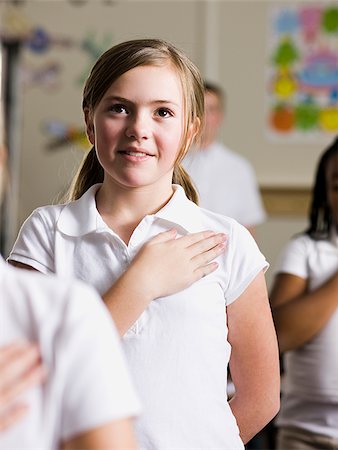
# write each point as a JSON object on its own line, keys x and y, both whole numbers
{"x": 302, "y": 71}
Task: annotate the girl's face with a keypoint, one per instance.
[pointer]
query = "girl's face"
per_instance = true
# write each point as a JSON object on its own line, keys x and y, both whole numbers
{"x": 332, "y": 187}
{"x": 137, "y": 127}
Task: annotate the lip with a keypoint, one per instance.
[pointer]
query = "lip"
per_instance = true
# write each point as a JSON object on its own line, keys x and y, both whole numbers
{"x": 140, "y": 150}
{"x": 135, "y": 153}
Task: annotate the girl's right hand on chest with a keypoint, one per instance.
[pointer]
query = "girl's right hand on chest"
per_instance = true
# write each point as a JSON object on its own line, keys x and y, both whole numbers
{"x": 167, "y": 264}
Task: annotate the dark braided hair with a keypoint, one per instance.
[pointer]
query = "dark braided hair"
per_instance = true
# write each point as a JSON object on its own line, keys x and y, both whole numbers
{"x": 320, "y": 216}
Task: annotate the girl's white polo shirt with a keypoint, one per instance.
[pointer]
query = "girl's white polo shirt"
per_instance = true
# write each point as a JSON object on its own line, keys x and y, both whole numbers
{"x": 177, "y": 350}
{"x": 88, "y": 384}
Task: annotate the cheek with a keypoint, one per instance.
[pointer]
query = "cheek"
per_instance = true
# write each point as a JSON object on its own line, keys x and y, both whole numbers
{"x": 170, "y": 142}
{"x": 105, "y": 133}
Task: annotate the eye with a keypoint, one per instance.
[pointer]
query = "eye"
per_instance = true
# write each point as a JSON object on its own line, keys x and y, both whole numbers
{"x": 164, "y": 112}
{"x": 118, "y": 108}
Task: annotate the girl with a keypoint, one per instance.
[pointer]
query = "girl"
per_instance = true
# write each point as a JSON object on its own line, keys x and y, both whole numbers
{"x": 305, "y": 306}
{"x": 143, "y": 106}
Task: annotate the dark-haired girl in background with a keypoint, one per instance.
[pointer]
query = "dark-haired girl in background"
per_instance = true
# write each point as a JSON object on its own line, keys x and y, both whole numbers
{"x": 304, "y": 300}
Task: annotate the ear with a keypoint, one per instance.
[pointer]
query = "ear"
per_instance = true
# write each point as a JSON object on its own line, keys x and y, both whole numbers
{"x": 193, "y": 131}
{"x": 89, "y": 126}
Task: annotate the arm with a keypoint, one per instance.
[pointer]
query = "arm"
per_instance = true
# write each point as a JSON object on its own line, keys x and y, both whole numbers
{"x": 115, "y": 435}
{"x": 299, "y": 314}
{"x": 163, "y": 266}
{"x": 254, "y": 362}
{"x": 20, "y": 369}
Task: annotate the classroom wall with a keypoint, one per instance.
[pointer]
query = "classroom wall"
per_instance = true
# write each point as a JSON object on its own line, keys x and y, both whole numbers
{"x": 226, "y": 39}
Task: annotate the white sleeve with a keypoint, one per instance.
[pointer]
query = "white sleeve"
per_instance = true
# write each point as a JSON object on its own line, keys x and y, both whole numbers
{"x": 293, "y": 258}
{"x": 34, "y": 244}
{"x": 96, "y": 383}
{"x": 243, "y": 261}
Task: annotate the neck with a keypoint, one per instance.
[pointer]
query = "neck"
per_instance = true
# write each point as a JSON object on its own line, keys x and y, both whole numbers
{"x": 123, "y": 209}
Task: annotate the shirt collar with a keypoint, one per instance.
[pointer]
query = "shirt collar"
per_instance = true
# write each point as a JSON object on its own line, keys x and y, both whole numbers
{"x": 181, "y": 211}
{"x": 81, "y": 217}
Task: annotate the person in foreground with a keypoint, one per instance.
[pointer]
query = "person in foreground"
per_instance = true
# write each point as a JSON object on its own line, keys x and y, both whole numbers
{"x": 304, "y": 301}
{"x": 143, "y": 106}
{"x": 63, "y": 376}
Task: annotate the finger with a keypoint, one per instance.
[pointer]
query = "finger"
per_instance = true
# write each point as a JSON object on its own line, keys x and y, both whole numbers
{"x": 18, "y": 362}
{"x": 10, "y": 393}
{"x": 12, "y": 416}
{"x": 203, "y": 271}
{"x": 191, "y": 239}
{"x": 204, "y": 258}
{"x": 10, "y": 350}
{"x": 207, "y": 244}
{"x": 164, "y": 236}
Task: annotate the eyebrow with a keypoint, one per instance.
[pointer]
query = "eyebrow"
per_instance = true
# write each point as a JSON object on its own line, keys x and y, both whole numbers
{"x": 125, "y": 100}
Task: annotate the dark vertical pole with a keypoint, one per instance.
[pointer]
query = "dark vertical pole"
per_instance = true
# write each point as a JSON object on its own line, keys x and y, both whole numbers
{"x": 10, "y": 52}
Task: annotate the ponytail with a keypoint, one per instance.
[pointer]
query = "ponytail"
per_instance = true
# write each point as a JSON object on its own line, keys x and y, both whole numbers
{"x": 89, "y": 173}
{"x": 181, "y": 177}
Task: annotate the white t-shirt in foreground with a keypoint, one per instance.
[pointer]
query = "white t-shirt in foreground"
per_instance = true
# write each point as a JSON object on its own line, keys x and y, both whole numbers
{"x": 88, "y": 384}
{"x": 177, "y": 350}
{"x": 226, "y": 183}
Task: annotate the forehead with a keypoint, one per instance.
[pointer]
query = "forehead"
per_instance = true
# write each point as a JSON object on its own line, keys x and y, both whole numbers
{"x": 149, "y": 82}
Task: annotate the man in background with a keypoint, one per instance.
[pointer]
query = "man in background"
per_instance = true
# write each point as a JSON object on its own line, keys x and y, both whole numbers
{"x": 225, "y": 180}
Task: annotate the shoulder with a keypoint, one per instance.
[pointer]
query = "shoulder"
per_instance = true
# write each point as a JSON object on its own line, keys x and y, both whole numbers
{"x": 47, "y": 215}
{"x": 51, "y": 289}
{"x": 294, "y": 256}
{"x": 301, "y": 243}
{"x": 48, "y": 302}
{"x": 216, "y": 221}
{"x": 242, "y": 259}
{"x": 221, "y": 223}
{"x": 308, "y": 246}
{"x": 240, "y": 242}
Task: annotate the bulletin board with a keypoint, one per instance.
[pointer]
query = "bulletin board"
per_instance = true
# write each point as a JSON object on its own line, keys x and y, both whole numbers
{"x": 302, "y": 71}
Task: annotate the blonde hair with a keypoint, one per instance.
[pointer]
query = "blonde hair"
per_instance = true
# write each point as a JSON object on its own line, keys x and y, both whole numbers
{"x": 114, "y": 63}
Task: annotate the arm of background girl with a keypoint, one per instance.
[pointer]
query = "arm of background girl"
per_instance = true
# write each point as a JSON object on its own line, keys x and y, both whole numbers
{"x": 20, "y": 370}
{"x": 163, "y": 266}
{"x": 254, "y": 361}
{"x": 299, "y": 314}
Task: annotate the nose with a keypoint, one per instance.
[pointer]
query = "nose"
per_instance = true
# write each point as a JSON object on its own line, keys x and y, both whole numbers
{"x": 138, "y": 127}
